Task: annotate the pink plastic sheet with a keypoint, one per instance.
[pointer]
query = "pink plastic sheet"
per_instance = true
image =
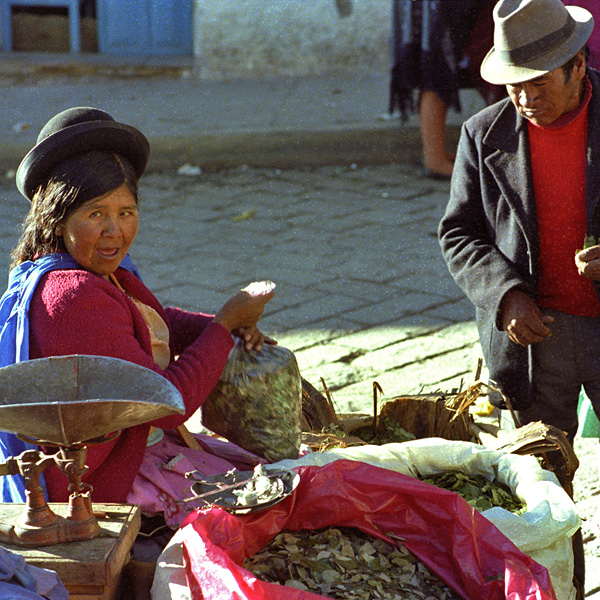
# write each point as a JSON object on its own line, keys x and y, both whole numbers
{"x": 451, "y": 538}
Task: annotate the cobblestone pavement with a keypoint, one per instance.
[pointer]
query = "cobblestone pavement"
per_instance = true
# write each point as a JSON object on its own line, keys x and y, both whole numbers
{"x": 362, "y": 291}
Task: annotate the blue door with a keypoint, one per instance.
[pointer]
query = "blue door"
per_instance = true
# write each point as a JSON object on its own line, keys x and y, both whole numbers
{"x": 145, "y": 27}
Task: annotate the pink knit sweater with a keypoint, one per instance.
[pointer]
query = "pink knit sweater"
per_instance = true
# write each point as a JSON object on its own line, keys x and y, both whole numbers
{"x": 77, "y": 312}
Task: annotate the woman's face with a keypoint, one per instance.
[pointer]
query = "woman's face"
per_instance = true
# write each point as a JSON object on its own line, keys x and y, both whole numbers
{"x": 99, "y": 233}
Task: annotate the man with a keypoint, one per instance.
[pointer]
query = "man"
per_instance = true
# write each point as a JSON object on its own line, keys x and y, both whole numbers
{"x": 525, "y": 192}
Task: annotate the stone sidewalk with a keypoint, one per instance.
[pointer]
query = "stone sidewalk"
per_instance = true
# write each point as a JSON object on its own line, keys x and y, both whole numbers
{"x": 362, "y": 291}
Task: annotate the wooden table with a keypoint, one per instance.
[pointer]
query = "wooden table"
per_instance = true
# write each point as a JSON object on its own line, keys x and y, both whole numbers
{"x": 90, "y": 570}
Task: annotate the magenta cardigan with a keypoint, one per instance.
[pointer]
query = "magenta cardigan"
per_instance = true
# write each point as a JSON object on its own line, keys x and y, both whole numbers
{"x": 77, "y": 312}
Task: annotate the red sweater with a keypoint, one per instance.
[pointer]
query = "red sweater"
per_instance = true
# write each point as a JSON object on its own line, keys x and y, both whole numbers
{"x": 558, "y": 161}
{"x": 77, "y": 312}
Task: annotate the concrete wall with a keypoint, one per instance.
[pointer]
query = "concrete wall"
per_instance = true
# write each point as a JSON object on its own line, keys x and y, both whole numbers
{"x": 245, "y": 38}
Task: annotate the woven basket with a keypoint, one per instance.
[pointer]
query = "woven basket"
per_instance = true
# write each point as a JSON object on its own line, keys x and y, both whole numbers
{"x": 424, "y": 415}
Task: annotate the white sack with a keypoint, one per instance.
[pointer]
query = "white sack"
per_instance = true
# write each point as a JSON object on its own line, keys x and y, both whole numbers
{"x": 543, "y": 532}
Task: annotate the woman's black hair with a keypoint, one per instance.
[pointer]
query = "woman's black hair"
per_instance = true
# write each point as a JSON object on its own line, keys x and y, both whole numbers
{"x": 70, "y": 184}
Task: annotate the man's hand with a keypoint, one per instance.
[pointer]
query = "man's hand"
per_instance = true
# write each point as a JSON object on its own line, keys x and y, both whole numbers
{"x": 588, "y": 263}
{"x": 522, "y": 319}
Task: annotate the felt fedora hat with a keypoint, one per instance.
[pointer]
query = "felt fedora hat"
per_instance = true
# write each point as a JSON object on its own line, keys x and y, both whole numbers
{"x": 532, "y": 38}
{"x": 77, "y": 131}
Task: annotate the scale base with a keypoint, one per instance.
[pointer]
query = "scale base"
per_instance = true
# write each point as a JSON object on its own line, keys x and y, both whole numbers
{"x": 39, "y": 526}
{"x": 62, "y": 530}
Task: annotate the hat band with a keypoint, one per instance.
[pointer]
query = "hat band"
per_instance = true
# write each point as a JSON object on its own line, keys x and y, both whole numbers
{"x": 533, "y": 50}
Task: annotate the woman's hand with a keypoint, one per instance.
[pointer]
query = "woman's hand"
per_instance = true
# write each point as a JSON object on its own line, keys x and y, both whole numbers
{"x": 243, "y": 310}
{"x": 588, "y": 262}
{"x": 253, "y": 338}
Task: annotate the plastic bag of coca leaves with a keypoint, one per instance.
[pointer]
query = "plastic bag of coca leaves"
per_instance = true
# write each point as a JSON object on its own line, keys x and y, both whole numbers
{"x": 257, "y": 403}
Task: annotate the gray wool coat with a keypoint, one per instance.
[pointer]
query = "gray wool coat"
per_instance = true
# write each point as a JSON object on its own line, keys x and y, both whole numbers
{"x": 488, "y": 234}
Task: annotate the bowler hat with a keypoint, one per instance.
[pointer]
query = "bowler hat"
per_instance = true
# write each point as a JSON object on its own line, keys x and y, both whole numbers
{"x": 534, "y": 37}
{"x": 77, "y": 131}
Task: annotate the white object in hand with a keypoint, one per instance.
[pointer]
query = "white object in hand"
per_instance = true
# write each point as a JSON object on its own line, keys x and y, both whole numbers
{"x": 259, "y": 288}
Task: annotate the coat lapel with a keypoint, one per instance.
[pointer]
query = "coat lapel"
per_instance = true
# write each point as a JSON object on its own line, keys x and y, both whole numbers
{"x": 510, "y": 165}
{"x": 593, "y": 157}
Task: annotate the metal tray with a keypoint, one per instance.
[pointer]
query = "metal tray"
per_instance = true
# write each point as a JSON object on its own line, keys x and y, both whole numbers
{"x": 220, "y": 490}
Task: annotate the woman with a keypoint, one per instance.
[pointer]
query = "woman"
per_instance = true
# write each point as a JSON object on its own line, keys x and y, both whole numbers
{"x": 74, "y": 290}
{"x": 438, "y": 47}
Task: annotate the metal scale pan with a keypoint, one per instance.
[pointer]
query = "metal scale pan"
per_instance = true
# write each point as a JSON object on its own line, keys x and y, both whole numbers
{"x": 67, "y": 400}
{"x": 71, "y": 402}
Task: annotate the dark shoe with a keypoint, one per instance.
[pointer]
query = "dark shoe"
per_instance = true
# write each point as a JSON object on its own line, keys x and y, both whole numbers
{"x": 429, "y": 174}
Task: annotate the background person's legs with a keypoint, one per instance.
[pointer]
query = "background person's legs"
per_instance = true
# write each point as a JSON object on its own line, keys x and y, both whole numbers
{"x": 432, "y": 118}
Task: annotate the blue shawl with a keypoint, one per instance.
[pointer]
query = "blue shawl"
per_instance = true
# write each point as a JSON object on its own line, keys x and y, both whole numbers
{"x": 14, "y": 344}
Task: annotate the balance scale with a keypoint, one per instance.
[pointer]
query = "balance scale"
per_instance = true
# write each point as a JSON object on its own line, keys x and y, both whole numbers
{"x": 71, "y": 402}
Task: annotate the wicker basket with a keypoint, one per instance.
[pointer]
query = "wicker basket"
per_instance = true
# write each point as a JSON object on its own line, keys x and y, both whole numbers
{"x": 422, "y": 416}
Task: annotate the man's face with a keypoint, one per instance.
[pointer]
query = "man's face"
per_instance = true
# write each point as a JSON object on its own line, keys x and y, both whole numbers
{"x": 545, "y": 99}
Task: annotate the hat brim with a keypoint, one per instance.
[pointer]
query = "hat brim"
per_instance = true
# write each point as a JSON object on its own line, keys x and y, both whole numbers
{"x": 90, "y": 136}
{"x": 496, "y": 71}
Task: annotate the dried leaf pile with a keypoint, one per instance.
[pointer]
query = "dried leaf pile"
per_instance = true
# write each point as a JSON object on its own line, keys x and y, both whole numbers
{"x": 346, "y": 564}
{"x": 478, "y": 491}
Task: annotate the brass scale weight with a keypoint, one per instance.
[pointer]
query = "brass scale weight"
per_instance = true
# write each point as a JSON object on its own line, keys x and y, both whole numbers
{"x": 71, "y": 402}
